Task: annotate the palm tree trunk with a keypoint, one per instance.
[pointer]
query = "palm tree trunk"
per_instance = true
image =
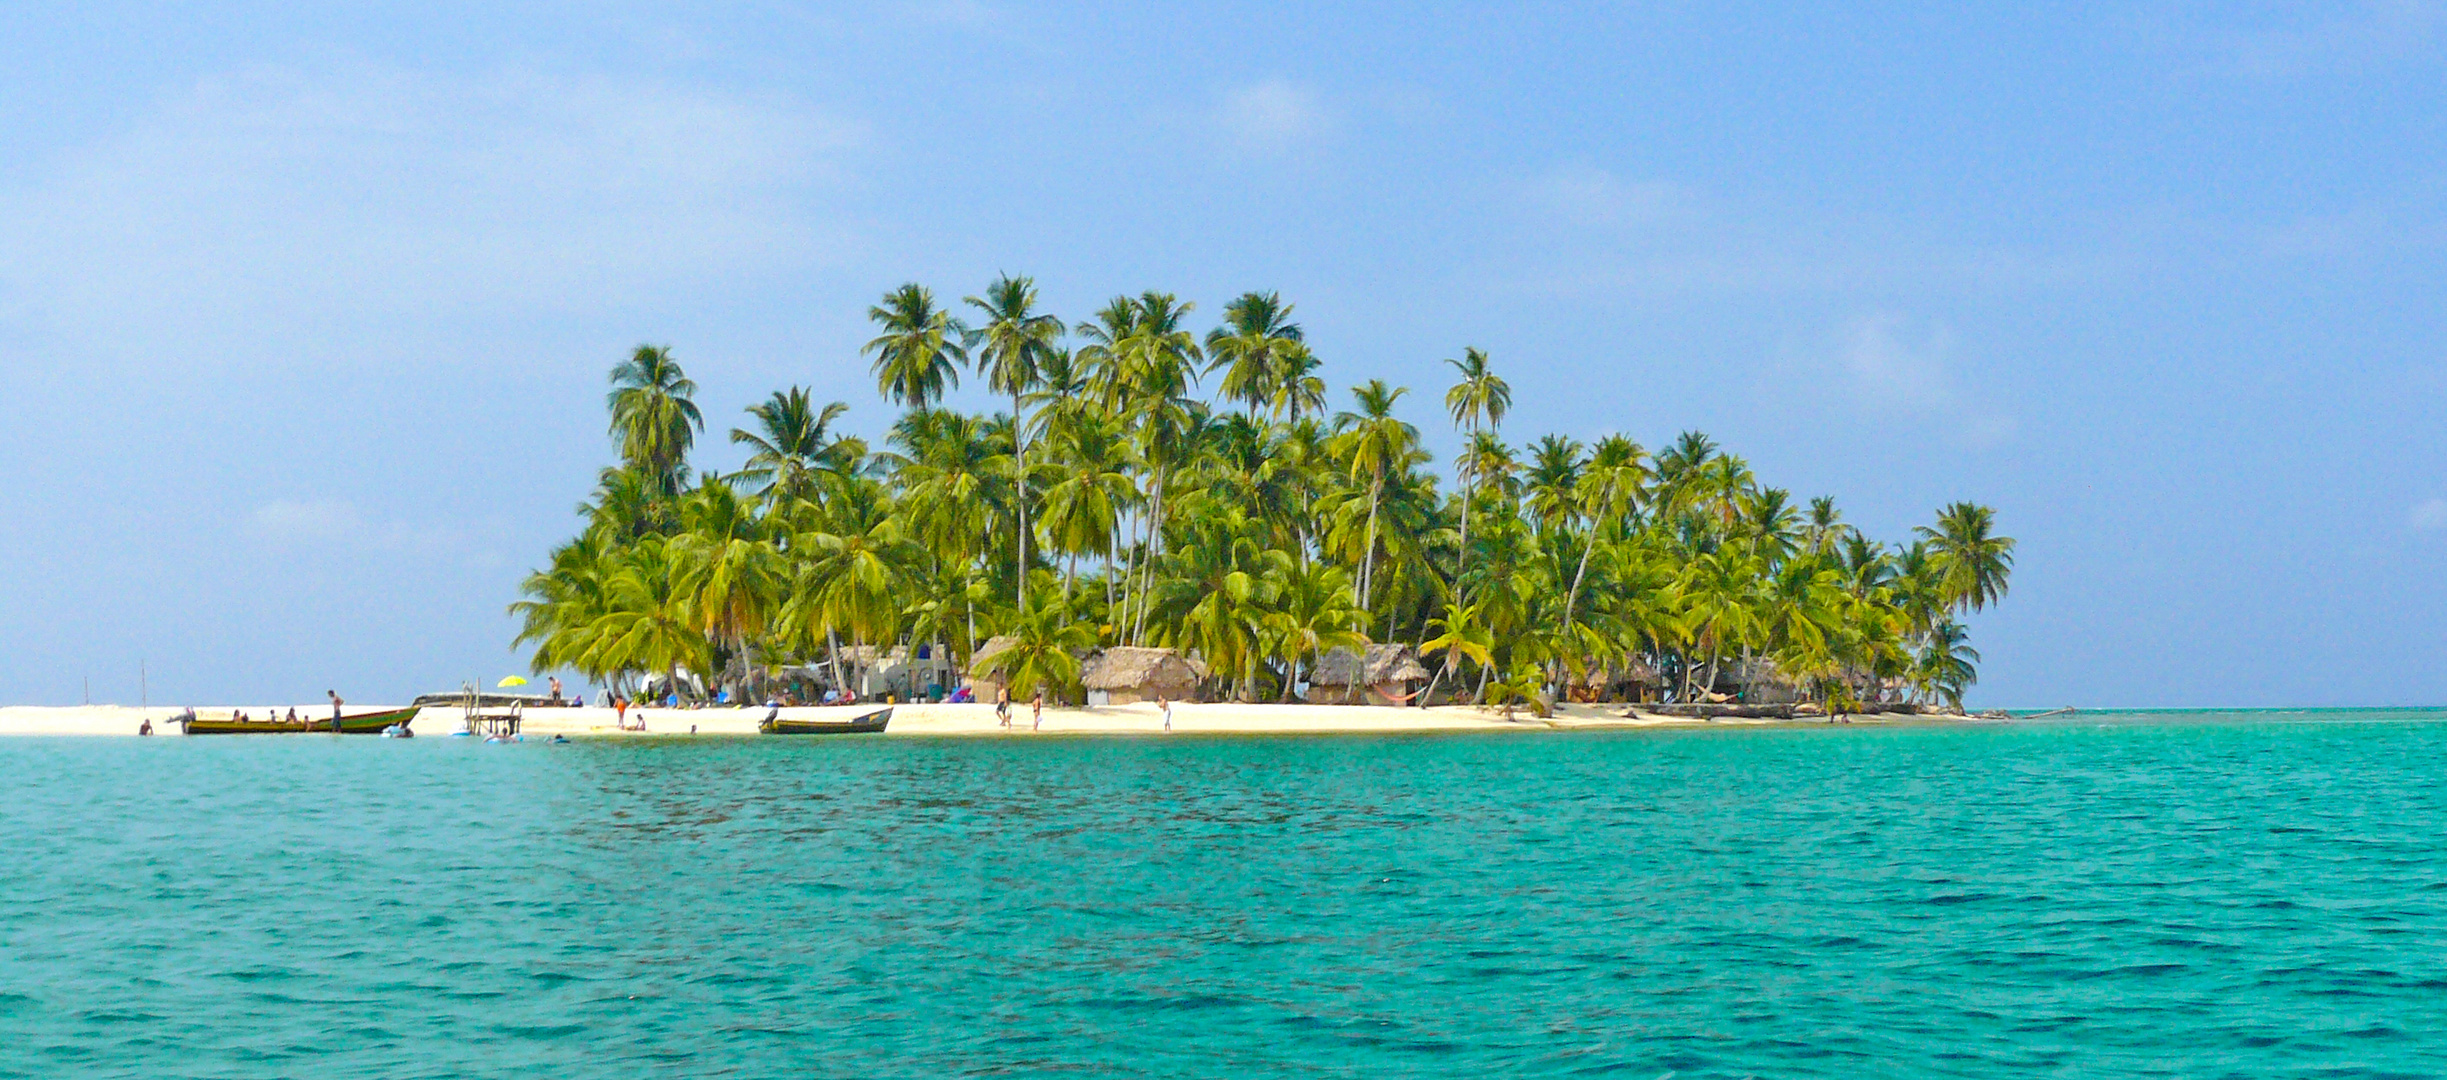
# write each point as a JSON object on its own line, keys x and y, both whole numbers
{"x": 1019, "y": 487}
{"x": 1367, "y": 555}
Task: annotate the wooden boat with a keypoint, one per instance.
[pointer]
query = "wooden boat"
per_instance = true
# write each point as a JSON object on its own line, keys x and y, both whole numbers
{"x": 361, "y": 724}
{"x": 871, "y": 722}
{"x": 373, "y": 723}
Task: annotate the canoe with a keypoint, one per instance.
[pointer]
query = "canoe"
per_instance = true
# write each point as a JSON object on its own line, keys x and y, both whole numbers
{"x": 870, "y": 722}
{"x": 361, "y": 724}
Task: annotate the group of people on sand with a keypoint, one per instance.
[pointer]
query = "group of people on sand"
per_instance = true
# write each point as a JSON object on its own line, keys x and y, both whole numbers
{"x": 1036, "y": 709}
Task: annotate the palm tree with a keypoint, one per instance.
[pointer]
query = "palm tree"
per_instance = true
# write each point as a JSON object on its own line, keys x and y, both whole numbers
{"x": 1045, "y": 641}
{"x": 647, "y": 624}
{"x": 1972, "y": 562}
{"x": 1298, "y": 389}
{"x": 793, "y": 443}
{"x": 1313, "y": 613}
{"x": 1478, "y": 401}
{"x": 1013, "y": 347}
{"x": 653, "y": 415}
{"x": 1251, "y": 346}
{"x": 1607, "y": 491}
{"x": 729, "y": 572}
{"x": 1083, "y": 507}
{"x": 1945, "y": 664}
{"x": 1373, "y": 441}
{"x": 918, "y": 352}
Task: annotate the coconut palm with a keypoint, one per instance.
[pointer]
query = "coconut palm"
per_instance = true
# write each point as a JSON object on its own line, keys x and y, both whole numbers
{"x": 1251, "y": 347}
{"x": 1373, "y": 441}
{"x": 793, "y": 444}
{"x": 1972, "y": 562}
{"x": 1013, "y": 346}
{"x": 1046, "y": 641}
{"x": 917, "y": 356}
{"x": 1313, "y": 612}
{"x": 654, "y": 415}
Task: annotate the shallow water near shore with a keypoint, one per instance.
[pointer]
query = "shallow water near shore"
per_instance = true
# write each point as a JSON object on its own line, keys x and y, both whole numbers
{"x": 2192, "y": 895}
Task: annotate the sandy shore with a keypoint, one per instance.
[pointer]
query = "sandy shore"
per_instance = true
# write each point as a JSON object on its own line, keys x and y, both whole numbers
{"x": 948, "y": 720}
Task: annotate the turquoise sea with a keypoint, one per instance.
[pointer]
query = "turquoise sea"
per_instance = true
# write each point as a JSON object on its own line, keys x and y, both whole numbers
{"x": 2175, "y": 894}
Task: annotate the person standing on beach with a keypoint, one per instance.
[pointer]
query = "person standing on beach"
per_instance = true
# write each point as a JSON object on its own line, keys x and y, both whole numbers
{"x": 1036, "y": 710}
{"x": 556, "y": 689}
{"x": 1166, "y": 704}
{"x": 1002, "y": 707}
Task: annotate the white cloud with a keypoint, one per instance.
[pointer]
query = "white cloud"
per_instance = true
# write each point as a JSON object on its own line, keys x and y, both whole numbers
{"x": 1590, "y": 231}
{"x": 1272, "y": 116}
{"x": 1595, "y": 197}
{"x": 1892, "y": 365}
{"x": 2429, "y": 515}
{"x": 348, "y": 192}
{"x": 338, "y": 524}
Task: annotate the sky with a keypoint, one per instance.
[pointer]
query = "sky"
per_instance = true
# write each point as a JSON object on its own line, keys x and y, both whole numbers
{"x": 306, "y": 315}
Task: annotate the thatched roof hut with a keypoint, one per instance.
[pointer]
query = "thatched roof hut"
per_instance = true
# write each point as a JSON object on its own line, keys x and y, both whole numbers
{"x": 1127, "y": 674}
{"x": 983, "y": 683}
{"x": 1758, "y": 681}
{"x": 1392, "y": 672}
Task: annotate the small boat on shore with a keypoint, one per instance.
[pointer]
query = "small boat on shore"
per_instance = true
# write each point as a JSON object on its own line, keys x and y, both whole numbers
{"x": 868, "y": 723}
{"x": 372, "y": 723}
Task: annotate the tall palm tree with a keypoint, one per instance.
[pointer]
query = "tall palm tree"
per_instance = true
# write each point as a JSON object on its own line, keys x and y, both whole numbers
{"x": 1972, "y": 560}
{"x": 1373, "y": 441}
{"x": 792, "y": 444}
{"x": 1298, "y": 389}
{"x": 1608, "y": 491}
{"x": 1478, "y": 401}
{"x": 918, "y": 353}
{"x": 653, "y": 414}
{"x": 1251, "y": 345}
{"x": 1013, "y": 347}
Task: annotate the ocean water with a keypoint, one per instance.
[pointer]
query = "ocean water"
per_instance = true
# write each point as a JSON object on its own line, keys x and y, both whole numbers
{"x": 2181, "y": 895}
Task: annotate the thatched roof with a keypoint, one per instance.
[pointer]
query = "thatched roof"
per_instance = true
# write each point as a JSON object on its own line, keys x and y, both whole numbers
{"x": 1633, "y": 670}
{"x": 1125, "y": 667}
{"x": 1387, "y": 663}
{"x": 1758, "y": 671}
{"x": 874, "y": 655}
{"x": 986, "y": 651}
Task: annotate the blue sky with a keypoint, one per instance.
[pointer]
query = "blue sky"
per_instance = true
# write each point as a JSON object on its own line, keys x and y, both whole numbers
{"x": 306, "y": 316}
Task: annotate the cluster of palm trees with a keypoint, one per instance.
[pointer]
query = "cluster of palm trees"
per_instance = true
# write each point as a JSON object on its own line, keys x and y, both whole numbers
{"x": 1113, "y": 505}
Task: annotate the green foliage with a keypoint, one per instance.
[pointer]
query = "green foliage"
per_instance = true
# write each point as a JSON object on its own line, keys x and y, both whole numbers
{"x": 1113, "y": 505}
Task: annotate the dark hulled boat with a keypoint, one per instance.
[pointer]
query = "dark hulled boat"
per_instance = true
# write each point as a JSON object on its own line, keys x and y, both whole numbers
{"x": 870, "y": 722}
{"x": 361, "y": 724}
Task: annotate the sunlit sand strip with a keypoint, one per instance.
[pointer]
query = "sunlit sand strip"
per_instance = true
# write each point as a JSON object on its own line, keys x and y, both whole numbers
{"x": 942, "y": 720}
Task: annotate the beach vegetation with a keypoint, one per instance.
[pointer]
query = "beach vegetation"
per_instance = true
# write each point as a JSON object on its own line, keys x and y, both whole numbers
{"x": 1245, "y": 525}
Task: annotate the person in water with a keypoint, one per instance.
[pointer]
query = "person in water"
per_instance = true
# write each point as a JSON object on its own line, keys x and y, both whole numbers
{"x": 293, "y": 714}
{"x": 145, "y": 727}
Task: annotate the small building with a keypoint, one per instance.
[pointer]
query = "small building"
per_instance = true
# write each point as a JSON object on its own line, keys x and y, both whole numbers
{"x": 1630, "y": 679}
{"x": 1757, "y": 681}
{"x": 1124, "y": 674}
{"x": 1390, "y": 675}
{"x": 982, "y": 683}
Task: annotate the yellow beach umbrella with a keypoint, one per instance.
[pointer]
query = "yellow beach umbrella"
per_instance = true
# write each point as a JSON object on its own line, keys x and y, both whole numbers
{"x": 511, "y": 680}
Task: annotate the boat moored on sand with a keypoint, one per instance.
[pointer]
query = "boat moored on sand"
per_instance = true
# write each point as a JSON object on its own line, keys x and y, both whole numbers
{"x": 373, "y": 723}
{"x": 774, "y": 724}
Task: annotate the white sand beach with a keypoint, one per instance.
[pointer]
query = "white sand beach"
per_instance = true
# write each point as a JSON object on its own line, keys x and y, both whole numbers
{"x": 973, "y": 720}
